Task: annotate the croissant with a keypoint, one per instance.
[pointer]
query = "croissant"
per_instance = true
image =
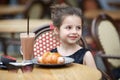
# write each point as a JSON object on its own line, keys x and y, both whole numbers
{"x": 51, "y": 58}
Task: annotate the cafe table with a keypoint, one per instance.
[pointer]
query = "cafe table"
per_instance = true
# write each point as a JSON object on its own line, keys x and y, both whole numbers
{"x": 91, "y": 14}
{"x": 20, "y": 25}
{"x": 72, "y": 71}
{"x": 114, "y": 4}
{"x": 10, "y": 28}
{"x": 11, "y": 10}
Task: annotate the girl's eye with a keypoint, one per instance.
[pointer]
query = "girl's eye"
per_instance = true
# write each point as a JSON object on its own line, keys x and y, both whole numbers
{"x": 68, "y": 27}
{"x": 78, "y": 27}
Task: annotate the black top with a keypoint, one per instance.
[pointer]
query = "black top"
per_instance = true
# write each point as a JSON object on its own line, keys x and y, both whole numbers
{"x": 77, "y": 56}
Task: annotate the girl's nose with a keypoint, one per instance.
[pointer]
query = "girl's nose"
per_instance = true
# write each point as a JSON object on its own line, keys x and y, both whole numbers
{"x": 74, "y": 30}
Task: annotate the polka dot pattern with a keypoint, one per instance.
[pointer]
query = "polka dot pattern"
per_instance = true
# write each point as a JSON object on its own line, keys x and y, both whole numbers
{"x": 45, "y": 42}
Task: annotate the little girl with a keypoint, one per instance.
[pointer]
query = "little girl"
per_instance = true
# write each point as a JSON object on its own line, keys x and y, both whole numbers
{"x": 68, "y": 23}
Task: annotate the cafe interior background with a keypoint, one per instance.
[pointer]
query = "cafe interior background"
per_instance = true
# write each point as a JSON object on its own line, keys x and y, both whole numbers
{"x": 86, "y": 5}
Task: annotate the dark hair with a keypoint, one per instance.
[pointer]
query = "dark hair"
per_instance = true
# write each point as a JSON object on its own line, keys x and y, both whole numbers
{"x": 59, "y": 12}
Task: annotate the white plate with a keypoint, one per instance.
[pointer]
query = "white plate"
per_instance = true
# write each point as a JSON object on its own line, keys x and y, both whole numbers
{"x": 68, "y": 60}
{"x": 19, "y": 64}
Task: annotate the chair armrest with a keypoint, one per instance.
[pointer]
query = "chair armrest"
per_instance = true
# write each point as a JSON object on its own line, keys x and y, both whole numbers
{"x": 101, "y": 54}
{"x": 111, "y": 56}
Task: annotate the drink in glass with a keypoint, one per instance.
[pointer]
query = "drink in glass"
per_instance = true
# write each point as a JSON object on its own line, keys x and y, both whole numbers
{"x": 27, "y": 45}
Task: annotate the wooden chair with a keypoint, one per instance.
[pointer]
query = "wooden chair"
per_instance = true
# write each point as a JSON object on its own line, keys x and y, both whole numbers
{"x": 107, "y": 39}
{"x": 37, "y": 9}
{"x": 34, "y": 9}
{"x": 45, "y": 40}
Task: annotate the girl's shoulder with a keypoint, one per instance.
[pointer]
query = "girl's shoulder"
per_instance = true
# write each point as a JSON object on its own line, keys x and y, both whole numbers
{"x": 83, "y": 50}
{"x": 79, "y": 55}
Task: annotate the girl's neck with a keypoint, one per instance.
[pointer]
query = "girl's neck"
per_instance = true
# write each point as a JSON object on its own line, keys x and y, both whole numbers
{"x": 68, "y": 49}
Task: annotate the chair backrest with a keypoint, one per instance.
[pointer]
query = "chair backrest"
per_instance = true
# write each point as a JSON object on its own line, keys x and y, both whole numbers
{"x": 35, "y": 9}
{"x": 106, "y": 36}
{"x": 45, "y": 40}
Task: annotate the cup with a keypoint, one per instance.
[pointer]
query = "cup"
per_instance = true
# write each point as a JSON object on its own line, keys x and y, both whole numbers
{"x": 27, "y": 45}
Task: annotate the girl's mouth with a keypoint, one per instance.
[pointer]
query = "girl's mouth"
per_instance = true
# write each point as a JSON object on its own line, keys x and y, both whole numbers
{"x": 73, "y": 37}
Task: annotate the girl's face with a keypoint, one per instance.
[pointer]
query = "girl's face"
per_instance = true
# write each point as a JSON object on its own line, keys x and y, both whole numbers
{"x": 71, "y": 29}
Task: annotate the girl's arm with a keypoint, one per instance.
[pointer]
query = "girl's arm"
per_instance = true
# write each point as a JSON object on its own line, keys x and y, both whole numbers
{"x": 89, "y": 60}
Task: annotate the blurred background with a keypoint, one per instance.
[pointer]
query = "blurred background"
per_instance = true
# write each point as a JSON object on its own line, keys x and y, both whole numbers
{"x": 40, "y": 9}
